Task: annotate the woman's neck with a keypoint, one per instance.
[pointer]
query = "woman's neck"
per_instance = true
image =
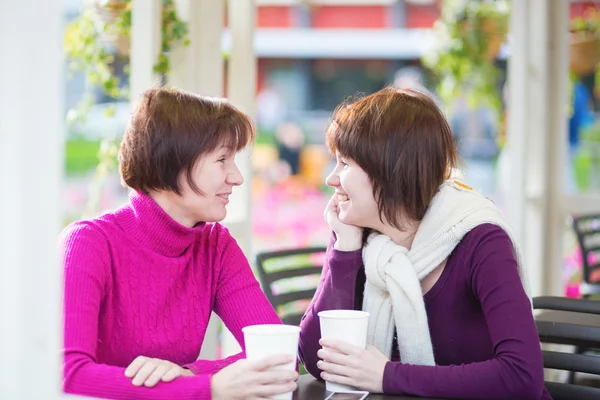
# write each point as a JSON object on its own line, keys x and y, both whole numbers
{"x": 166, "y": 201}
{"x": 402, "y": 238}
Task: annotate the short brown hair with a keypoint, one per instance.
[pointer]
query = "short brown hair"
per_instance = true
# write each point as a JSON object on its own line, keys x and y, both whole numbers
{"x": 170, "y": 129}
{"x": 402, "y": 140}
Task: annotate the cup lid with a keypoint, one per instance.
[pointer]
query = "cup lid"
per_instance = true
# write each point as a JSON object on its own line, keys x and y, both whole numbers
{"x": 343, "y": 314}
{"x": 270, "y": 329}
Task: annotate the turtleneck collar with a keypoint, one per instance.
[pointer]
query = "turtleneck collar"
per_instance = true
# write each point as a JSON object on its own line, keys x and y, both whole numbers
{"x": 148, "y": 224}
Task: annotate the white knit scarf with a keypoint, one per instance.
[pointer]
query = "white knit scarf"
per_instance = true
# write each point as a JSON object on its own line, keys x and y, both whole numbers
{"x": 393, "y": 293}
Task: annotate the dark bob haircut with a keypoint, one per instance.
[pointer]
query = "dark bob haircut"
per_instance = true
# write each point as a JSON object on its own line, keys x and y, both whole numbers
{"x": 168, "y": 132}
{"x": 402, "y": 140}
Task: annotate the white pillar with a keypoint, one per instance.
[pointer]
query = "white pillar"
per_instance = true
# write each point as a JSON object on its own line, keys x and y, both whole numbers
{"x": 517, "y": 115}
{"x": 557, "y": 137}
{"x": 241, "y": 84}
{"x": 199, "y": 66}
{"x": 31, "y": 163}
{"x": 146, "y": 37}
{"x": 536, "y": 166}
{"x": 199, "y": 69}
{"x": 537, "y": 135}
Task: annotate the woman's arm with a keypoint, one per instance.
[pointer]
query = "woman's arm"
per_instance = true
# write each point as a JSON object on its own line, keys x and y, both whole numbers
{"x": 86, "y": 260}
{"x": 239, "y": 301}
{"x": 516, "y": 370}
{"x": 336, "y": 291}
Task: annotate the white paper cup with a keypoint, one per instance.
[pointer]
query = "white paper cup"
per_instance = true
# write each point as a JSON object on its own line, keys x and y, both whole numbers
{"x": 267, "y": 340}
{"x": 349, "y": 326}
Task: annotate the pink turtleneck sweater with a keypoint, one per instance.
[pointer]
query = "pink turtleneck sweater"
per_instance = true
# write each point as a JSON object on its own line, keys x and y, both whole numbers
{"x": 137, "y": 283}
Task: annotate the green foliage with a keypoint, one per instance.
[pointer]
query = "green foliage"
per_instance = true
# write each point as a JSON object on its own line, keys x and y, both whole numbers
{"x": 587, "y": 24}
{"x": 89, "y": 42}
{"x": 107, "y": 156}
{"x": 587, "y": 160}
{"x": 174, "y": 30}
{"x": 587, "y": 27}
{"x": 89, "y": 39}
{"x": 463, "y": 57}
{"x": 81, "y": 155}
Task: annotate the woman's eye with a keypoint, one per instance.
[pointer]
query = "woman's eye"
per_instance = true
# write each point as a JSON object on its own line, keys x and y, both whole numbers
{"x": 222, "y": 160}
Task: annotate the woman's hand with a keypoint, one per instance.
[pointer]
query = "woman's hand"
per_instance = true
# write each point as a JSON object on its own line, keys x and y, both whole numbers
{"x": 350, "y": 365}
{"x": 149, "y": 371}
{"x": 349, "y": 237}
{"x": 253, "y": 380}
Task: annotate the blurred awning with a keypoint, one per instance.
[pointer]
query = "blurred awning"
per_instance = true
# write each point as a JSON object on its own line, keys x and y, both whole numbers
{"x": 339, "y": 43}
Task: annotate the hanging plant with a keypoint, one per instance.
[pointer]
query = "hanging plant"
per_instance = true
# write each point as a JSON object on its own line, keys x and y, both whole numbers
{"x": 468, "y": 38}
{"x": 103, "y": 30}
{"x": 584, "y": 43}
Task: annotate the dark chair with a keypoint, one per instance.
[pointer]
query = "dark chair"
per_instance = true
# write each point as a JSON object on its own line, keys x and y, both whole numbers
{"x": 587, "y": 229}
{"x": 277, "y": 267}
{"x": 570, "y": 322}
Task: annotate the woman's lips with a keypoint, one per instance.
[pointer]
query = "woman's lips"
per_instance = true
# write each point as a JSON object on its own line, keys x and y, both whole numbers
{"x": 341, "y": 197}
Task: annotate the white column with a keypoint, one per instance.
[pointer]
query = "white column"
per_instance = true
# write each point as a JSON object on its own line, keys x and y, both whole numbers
{"x": 199, "y": 69}
{"x": 517, "y": 114}
{"x": 537, "y": 135}
{"x": 31, "y": 162}
{"x": 536, "y": 166}
{"x": 557, "y": 128}
{"x": 199, "y": 66}
{"x": 145, "y": 45}
{"x": 241, "y": 83}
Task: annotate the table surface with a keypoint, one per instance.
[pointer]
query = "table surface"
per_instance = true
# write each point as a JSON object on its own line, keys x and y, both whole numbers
{"x": 310, "y": 388}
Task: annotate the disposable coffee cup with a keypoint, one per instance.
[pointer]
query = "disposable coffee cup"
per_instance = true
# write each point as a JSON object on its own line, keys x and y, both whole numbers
{"x": 345, "y": 325}
{"x": 268, "y": 340}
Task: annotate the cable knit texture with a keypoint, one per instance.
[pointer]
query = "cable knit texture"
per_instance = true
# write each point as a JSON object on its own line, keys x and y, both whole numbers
{"x": 137, "y": 283}
{"x": 393, "y": 293}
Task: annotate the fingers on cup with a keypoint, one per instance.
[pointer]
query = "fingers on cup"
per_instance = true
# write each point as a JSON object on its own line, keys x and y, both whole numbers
{"x": 273, "y": 361}
{"x": 273, "y": 390}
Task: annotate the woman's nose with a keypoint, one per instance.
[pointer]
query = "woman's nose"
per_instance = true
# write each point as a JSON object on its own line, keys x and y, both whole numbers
{"x": 333, "y": 179}
{"x": 235, "y": 177}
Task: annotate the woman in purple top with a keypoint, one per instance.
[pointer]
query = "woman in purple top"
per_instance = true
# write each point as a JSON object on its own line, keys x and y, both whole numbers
{"x": 432, "y": 260}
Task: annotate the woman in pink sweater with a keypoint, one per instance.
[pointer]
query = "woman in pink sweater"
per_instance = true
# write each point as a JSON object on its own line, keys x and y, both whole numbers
{"x": 141, "y": 282}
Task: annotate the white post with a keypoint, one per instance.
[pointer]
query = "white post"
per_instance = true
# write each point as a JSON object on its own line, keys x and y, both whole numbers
{"x": 146, "y": 35}
{"x": 241, "y": 83}
{"x": 537, "y": 136}
{"x": 517, "y": 116}
{"x": 31, "y": 163}
{"x": 199, "y": 69}
{"x": 199, "y": 66}
{"x": 535, "y": 161}
{"x": 557, "y": 116}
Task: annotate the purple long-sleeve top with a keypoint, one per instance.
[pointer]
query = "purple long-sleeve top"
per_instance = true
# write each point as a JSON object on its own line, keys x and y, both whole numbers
{"x": 484, "y": 338}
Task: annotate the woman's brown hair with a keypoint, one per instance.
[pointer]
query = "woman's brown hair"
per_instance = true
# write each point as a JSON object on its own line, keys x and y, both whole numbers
{"x": 170, "y": 129}
{"x": 403, "y": 142}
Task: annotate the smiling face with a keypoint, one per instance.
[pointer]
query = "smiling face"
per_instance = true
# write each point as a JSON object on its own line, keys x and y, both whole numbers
{"x": 354, "y": 192}
{"x": 214, "y": 174}
{"x": 405, "y": 149}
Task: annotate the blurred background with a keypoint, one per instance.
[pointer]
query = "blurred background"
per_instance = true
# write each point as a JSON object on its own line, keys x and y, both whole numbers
{"x": 518, "y": 80}
{"x": 312, "y": 55}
